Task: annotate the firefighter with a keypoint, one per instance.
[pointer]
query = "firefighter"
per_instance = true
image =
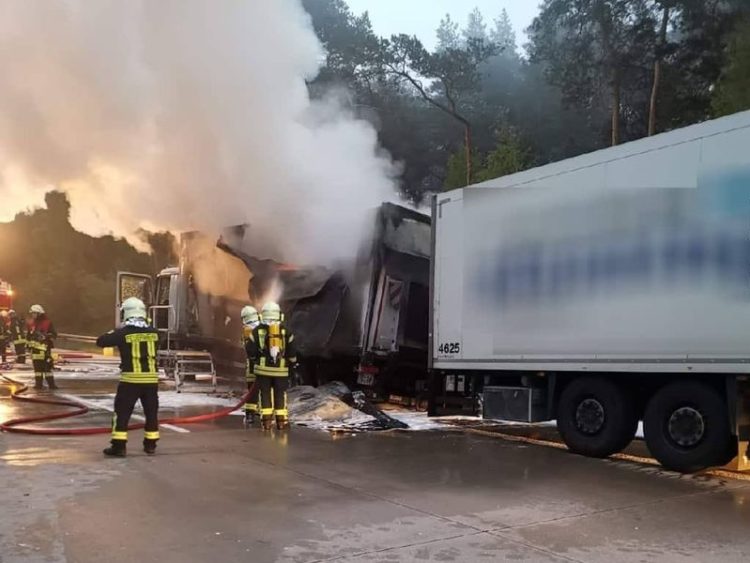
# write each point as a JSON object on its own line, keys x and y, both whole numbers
{"x": 41, "y": 339}
{"x": 271, "y": 346}
{"x": 18, "y": 335}
{"x": 137, "y": 342}
{"x": 4, "y": 334}
{"x": 250, "y": 320}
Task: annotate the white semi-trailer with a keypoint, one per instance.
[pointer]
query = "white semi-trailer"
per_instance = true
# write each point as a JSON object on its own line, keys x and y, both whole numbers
{"x": 603, "y": 290}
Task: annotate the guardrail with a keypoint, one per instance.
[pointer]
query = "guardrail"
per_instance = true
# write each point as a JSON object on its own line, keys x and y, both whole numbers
{"x": 78, "y": 338}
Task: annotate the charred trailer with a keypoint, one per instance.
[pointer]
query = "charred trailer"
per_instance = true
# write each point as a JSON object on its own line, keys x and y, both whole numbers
{"x": 383, "y": 324}
{"x": 363, "y": 321}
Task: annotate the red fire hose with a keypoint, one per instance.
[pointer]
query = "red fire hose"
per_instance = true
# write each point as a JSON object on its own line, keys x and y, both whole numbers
{"x": 18, "y": 425}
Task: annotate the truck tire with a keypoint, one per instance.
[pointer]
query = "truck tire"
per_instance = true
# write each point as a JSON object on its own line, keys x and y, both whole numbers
{"x": 687, "y": 427}
{"x": 596, "y": 417}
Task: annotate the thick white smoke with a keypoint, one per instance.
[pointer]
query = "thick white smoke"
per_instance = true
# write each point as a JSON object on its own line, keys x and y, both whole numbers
{"x": 182, "y": 115}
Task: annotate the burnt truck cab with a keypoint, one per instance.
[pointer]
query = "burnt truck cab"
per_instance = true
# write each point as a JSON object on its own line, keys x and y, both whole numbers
{"x": 188, "y": 316}
{"x": 168, "y": 299}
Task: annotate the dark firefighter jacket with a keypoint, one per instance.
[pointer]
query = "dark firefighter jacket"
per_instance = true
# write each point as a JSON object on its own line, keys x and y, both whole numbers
{"x": 137, "y": 346}
{"x": 41, "y": 337}
{"x": 41, "y": 331}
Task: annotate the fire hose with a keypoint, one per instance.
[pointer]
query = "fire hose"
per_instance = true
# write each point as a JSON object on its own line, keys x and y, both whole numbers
{"x": 19, "y": 425}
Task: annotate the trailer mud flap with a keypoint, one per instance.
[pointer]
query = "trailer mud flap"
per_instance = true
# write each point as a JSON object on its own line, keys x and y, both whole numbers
{"x": 739, "y": 397}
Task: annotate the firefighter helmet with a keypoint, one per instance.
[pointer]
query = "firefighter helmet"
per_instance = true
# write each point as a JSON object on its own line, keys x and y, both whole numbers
{"x": 271, "y": 313}
{"x": 133, "y": 308}
{"x": 249, "y": 315}
{"x": 38, "y": 309}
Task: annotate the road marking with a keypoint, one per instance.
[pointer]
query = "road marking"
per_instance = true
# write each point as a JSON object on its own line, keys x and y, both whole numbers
{"x": 97, "y": 406}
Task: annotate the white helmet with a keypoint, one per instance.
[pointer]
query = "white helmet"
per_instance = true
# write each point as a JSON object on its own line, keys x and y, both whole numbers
{"x": 271, "y": 313}
{"x": 133, "y": 308}
{"x": 249, "y": 315}
{"x": 38, "y": 309}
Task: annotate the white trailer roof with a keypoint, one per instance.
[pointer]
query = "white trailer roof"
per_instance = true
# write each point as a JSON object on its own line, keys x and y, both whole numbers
{"x": 668, "y": 160}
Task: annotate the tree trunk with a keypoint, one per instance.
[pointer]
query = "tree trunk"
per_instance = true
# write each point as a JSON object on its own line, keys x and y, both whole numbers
{"x": 657, "y": 72}
{"x": 603, "y": 15}
{"x": 616, "y": 108}
{"x": 469, "y": 150}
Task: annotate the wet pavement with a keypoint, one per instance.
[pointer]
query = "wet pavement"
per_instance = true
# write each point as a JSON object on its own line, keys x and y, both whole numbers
{"x": 220, "y": 492}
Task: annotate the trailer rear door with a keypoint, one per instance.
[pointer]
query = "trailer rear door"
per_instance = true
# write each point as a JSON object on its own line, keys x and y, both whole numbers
{"x": 447, "y": 290}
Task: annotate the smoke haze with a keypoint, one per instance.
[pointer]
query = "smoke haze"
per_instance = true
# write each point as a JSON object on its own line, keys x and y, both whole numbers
{"x": 180, "y": 115}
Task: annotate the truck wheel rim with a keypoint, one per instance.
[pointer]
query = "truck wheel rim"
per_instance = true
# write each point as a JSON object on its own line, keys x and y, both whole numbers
{"x": 590, "y": 416}
{"x": 686, "y": 427}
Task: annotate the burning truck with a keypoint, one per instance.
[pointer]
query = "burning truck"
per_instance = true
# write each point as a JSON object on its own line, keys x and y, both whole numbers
{"x": 362, "y": 321}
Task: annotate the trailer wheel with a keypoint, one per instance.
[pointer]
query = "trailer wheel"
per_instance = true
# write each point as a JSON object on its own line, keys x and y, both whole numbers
{"x": 596, "y": 417}
{"x": 686, "y": 426}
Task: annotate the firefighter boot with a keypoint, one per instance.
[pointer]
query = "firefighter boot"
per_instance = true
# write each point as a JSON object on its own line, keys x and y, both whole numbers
{"x": 38, "y": 382}
{"x": 117, "y": 449}
{"x": 282, "y": 422}
{"x": 249, "y": 418}
{"x": 149, "y": 446}
{"x": 51, "y": 381}
{"x": 267, "y": 422}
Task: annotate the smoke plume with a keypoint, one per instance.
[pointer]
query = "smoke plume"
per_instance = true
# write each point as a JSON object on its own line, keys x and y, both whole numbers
{"x": 180, "y": 115}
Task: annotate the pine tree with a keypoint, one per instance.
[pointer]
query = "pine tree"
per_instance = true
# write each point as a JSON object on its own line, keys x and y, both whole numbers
{"x": 508, "y": 157}
{"x": 503, "y": 35}
{"x": 455, "y": 171}
{"x": 733, "y": 92}
{"x": 476, "y": 28}
{"x": 448, "y": 36}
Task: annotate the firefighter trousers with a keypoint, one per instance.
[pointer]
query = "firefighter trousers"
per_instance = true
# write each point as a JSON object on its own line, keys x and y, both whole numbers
{"x": 43, "y": 365}
{"x": 273, "y": 396}
{"x": 128, "y": 394}
{"x": 252, "y": 402}
{"x": 20, "y": 351}
{"x": 41, "y": 360}
{"x": 3, "y": 347}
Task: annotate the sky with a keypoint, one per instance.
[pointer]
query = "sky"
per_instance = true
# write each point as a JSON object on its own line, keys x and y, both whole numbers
{"x": 422, "y": 17}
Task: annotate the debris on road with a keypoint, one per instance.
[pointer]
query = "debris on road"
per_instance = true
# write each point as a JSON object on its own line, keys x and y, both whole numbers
{"x": 335, "y": 407}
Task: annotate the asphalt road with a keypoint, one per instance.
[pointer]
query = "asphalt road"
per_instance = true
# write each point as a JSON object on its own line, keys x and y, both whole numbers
{"x": 222, "y": 493}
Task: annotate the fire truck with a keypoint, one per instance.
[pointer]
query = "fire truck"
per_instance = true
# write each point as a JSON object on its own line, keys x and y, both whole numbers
{"x": 6, "y": 296}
